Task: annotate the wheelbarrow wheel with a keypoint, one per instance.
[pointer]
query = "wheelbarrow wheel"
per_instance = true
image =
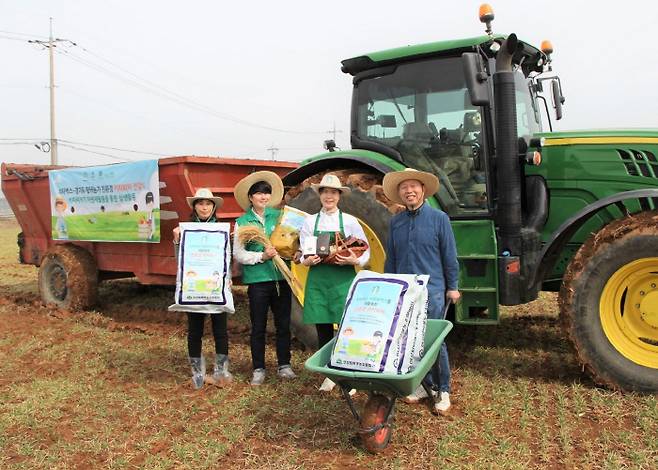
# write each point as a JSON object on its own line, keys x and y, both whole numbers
{"x": 374, "y": 414}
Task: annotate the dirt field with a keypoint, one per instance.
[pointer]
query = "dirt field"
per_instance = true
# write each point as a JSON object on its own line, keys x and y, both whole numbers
{"x": 110, "y": 388}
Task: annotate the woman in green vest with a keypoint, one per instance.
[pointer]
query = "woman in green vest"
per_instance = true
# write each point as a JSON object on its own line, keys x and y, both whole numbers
{"x": 327, "y": 284}
{"x": 258, "y": 194}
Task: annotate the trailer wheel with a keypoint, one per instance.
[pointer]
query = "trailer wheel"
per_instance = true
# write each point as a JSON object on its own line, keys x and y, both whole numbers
{"x": 374, "y": 217}
{"x": 609, "y": 304}
{"x": 374, "y": 414}
{"x": 68, "y": 277}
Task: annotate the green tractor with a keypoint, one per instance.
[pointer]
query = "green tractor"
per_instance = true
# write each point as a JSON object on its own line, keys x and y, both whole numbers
{"x": 574, "y": 212}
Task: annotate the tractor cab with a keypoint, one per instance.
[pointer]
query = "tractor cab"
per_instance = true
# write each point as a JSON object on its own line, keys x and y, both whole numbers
{"x": 416, "y": 104}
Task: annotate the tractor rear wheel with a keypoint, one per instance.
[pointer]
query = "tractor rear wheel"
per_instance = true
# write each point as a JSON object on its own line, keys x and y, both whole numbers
{"x": 68, "y": 277}
{"x": 609, "y": 304}
{"x": 374, "y": 217}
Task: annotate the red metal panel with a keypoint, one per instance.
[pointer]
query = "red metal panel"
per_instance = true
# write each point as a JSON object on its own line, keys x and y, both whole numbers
{"x": 27, "y": 190}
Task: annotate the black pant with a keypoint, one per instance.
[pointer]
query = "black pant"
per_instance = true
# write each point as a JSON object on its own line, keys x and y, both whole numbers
{"x": 195, "y": 323}
{"x": 325, "y": 333}
{"x": 263, "y": 296}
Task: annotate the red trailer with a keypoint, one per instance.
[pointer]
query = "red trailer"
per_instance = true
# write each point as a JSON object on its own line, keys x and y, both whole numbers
{"x": 69, "y": 271}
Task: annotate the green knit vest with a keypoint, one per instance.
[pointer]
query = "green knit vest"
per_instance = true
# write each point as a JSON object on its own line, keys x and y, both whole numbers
{"x": 266, "y": 271}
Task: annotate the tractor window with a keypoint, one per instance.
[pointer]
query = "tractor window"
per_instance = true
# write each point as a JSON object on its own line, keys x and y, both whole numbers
{"x": 388, "y": 118}
{"x": 528, "y": 120}
{"x": 423, "y": 110}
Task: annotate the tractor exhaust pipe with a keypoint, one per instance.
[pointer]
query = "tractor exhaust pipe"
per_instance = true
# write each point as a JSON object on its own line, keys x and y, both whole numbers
{"x": 508, "y": 176}
{"x": 508, "y": 173}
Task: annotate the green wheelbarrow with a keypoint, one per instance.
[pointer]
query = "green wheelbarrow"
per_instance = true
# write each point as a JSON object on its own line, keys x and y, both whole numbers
{"x": 383, "y": 388}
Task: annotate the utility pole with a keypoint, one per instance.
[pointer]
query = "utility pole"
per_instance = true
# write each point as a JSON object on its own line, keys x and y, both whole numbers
{"x": 51, "y": 44}
{"x": 274, "y": 150}
{"x": 334, "y": 131}
{"x": 53, "y": 139}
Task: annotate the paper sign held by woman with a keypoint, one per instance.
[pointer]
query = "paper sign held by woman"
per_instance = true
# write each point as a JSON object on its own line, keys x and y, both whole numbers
{"x": 203, "y": 282}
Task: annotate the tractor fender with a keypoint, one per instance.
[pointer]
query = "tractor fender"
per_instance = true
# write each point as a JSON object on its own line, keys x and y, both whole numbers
{"x": 552, "y": 249}
{"x": 339, "y": 162}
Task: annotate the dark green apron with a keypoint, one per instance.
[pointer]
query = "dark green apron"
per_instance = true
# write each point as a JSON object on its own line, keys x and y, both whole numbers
{"x": 327, "y": 286}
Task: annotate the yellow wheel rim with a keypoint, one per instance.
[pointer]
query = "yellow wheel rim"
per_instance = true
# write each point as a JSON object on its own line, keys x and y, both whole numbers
{"x": 377, "y": 259}
{"x": 629, "y": 311}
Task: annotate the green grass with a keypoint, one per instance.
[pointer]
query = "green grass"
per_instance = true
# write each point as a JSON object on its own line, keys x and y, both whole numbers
{"x": 110, "y": 389}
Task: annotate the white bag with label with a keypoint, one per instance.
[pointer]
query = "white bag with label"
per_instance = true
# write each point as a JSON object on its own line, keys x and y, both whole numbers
{"x": 203, "y": 278}
{"x": 383, "y": 325}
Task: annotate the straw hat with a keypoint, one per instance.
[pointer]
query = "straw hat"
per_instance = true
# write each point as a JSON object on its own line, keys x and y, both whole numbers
{"x": 330, "y": 181}
{"x": 393, "y": 179}
{"x": 205, "y": 193}
{"x": 241, "y": 190}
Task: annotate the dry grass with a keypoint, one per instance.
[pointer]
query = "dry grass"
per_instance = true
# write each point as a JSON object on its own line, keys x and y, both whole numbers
{"x": 110, "y": 389}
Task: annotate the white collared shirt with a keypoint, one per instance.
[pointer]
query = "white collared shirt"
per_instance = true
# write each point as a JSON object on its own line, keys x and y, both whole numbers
{"x": 242, "y": 255}
{"x": 331, "y": 223}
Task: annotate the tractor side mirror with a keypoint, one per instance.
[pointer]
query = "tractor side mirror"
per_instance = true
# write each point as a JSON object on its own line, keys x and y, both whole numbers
{"x": 558, "y": 99}
{"x": 387, "y": 120}
{"x": 476, "y": 79}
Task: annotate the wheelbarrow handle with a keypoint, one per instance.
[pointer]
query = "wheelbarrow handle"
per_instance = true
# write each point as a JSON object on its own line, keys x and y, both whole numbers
{"x": 445, "y": 309}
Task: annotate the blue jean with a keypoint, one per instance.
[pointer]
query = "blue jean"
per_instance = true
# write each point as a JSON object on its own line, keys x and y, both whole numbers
{"x": 439, "y": 375}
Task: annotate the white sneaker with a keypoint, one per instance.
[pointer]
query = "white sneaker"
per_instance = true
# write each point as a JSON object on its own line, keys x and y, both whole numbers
{"x": 417, "y": 396}
{"x": 328, "y": 385}
{"x": 285, "y": 372}
{"x": 258, "y": 378}
{"x": 444, "y": 404}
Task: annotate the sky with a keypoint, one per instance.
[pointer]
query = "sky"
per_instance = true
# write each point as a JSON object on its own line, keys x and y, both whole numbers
{"x": 234, "y": 79}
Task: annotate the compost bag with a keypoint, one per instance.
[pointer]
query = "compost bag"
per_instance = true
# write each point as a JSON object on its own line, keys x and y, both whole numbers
{"x": 285, "y": 237}
{"x": 203, "y": 278}
{"x": 383, "y": 325}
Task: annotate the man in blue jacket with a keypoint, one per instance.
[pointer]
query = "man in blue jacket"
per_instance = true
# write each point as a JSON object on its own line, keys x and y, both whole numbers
{"x": 421, "y": 241}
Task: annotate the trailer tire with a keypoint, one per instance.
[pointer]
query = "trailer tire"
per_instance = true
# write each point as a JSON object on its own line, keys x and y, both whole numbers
{"x": 362, "y": 205}
{"x": 609, "y": 304}
{"x": 68, "y": 277}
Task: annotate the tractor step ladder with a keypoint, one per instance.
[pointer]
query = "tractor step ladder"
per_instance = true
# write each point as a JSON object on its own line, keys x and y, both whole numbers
{"x": 478, "y": 272}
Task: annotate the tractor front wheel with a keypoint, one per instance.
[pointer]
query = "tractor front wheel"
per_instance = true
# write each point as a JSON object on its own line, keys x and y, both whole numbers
{"x": 68, "y": 277}
{"x": 609, "y": 304}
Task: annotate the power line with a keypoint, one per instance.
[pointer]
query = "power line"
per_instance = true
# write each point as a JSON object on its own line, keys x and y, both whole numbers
{"x": 23, "y": 34}
{"x": 17, "y": 143}
{"x": 112, "y": 148}
{"x": 146, "y": 86}
{"x": 2, "y": 36}
{"x": 59, "y": 141}
{"x": 114, "y": 157}
{"x": 163, "y": 92}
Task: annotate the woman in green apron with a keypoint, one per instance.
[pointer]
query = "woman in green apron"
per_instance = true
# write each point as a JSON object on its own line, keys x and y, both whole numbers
{"x": 327, "y": 284}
